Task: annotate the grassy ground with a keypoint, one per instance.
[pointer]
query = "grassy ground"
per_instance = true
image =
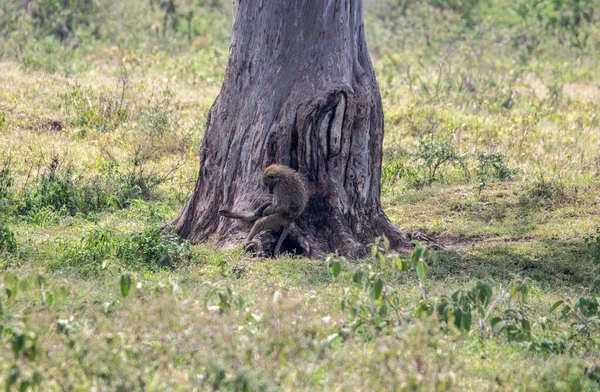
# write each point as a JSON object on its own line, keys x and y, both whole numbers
{"x": 492, "y": 146}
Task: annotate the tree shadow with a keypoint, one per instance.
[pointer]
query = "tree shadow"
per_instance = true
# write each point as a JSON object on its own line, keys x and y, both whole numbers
{"x": 549, "y": 262}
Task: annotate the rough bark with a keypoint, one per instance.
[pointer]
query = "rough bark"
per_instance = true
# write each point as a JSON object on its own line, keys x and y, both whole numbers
{"x": 299, "y": 90}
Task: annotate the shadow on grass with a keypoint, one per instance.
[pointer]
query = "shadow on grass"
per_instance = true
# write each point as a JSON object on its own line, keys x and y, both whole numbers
{"x": 557, "y": 263}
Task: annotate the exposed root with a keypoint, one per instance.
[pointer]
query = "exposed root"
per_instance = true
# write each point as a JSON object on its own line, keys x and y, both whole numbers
{"x": 422, "y": 237}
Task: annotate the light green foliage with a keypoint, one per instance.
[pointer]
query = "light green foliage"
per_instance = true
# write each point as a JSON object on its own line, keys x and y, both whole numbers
{"x": 492, "y": 128}
{"x": 572, "y": 19}
{"x": 375, "y": 306}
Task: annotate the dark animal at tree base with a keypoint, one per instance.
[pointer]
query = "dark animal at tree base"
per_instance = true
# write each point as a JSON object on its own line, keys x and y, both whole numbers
{"x": 290, "y": 197}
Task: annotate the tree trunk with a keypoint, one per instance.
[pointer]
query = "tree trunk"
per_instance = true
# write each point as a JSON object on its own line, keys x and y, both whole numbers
{"x": 299, "y": 90}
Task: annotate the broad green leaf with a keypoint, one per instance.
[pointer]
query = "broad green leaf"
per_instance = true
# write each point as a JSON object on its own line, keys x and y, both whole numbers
{"x": 126, "y": 283}
{"x": 402, "y": 266}
{"x": 357, "y": 277}
{"x": 417, "y": 254}
{"x": 499, "y": 326}
{"x": 386, "y": 242}
{"x": 465, "y": 325}
{"x": 483, "y": 293}
{"x": 376, "y": 290}
{"x": 556, "y": 305}
{"x": 335, "y": 268}
{"x": 383, "y": 310}
{"x": 458, "y": 316}
{"x": 62, "y": 326}
{"x": 333, "y": 338}
{"x": 587, "y": 306}
{"x": 422, "y": 270}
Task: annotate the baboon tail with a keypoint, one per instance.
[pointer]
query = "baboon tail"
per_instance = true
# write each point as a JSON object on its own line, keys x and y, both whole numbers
{"x": 246, "y": 216}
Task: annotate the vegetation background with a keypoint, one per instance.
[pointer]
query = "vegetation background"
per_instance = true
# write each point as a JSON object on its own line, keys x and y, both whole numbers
{"x": 492, "y": 146}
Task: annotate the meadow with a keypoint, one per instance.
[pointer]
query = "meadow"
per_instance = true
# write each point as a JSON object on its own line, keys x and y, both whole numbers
{"x": 492, "y": 146}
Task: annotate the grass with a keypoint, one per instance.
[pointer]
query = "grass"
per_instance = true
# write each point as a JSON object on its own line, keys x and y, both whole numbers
{"x": 491, "y": 146}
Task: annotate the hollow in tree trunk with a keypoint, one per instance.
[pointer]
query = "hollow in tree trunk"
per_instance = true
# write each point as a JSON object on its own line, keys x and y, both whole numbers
{"x": 299, "y": 90}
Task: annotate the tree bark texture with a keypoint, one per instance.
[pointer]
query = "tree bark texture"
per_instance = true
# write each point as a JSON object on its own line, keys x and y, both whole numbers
{"x": 299, "y": 90}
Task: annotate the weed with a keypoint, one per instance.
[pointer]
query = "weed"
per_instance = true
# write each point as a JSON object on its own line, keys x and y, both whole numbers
{"x": 374, "y": 305}
{"x": 8, "y": 243}
{"x": 436, "y": 154}
{"x": 151, "y": 249}
{"x": 592, "y": 242}
{"x": 156, "y": 118}
{"x": 393, "y": 171}
{"x": 59, "y": 191}
{"x": 104, "y": 112}
{"x": 6, "y": 184}
{"x": 545, "y": 192}
{"x": 158, "y": 250}
{"x": 492, "y": 167}
{"x": 373, "y": 302}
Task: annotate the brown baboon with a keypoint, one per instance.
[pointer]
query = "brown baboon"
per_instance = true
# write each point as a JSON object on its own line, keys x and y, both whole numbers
{"x": 289, "y": 200}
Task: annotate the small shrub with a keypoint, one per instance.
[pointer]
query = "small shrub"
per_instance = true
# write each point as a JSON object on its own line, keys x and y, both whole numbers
{"x": 55, "y": 189}
{"x": 392, "y": 172}
{"x": 8, "y": 243}
{"x": 156, "y": 249}
{"x": 59, "y": 191}
{"x": 435, "y": 155}
{"x": 592, "y": 242}
{"x": 544, "y": 192}
{"x": 465, "y": 8}
{"x": 151, "y": 249}
{"x": 492, "y": 167}
{"x": 373, "y": 301}
{"x": 567, "y": 20}
{"x": 157, "y": 118}
{"x": 6, "y": 184}
{"x": 375, "y": 306}
{"x": 103, "y": 112}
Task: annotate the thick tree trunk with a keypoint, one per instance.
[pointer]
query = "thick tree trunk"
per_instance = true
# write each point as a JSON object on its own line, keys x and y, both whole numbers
{"x": 300, "y": 91}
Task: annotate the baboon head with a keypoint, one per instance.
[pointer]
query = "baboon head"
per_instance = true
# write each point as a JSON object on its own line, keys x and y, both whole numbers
{"x": 270, "y": 178}
{"x": 274, "y": 174}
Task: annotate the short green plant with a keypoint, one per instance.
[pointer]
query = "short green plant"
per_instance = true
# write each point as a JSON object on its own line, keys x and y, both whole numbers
{"x": 584, "y": 318}
{"x": 150, "y": 248}
{"x": 592, "y": 242}
{"x": 504, "y": 314}
{"x": 392, "y": 172}
{"x": 59, "y": 191}
{"x": 374, "y": 305}
{"x": 157, "y": 117}
{"x": 104, "y": 112}
{"x": 220, "y": 299}
{"x": 373, "y": 301}
{"x": 492, "y": 167}
{"x": 436, "y": 154}
{"x": 156, "y": 249}
{"x": 6, "y": 184}
{"x": 8, "y": 243}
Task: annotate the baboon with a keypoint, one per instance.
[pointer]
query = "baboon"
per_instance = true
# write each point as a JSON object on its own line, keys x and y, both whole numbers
{"x": 289, "y": 200}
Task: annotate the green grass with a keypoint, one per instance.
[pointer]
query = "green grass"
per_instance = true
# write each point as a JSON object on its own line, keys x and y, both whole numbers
{"x": 99, "y": 141}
